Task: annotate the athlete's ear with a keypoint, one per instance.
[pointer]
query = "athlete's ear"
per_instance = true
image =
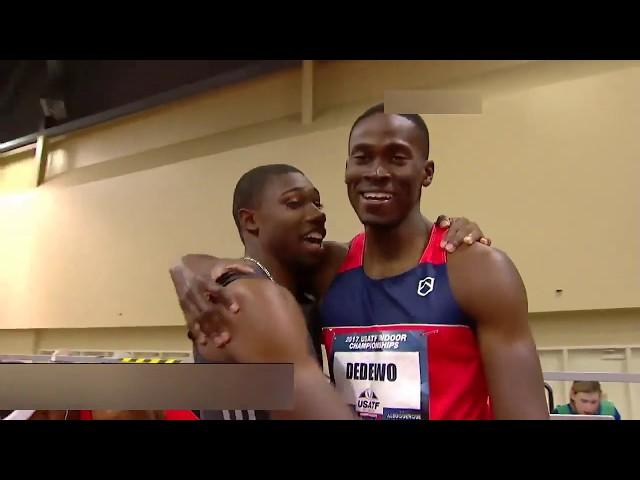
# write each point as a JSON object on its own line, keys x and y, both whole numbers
{"x": 248, "y": 220}
{"x": 429, "y": 170}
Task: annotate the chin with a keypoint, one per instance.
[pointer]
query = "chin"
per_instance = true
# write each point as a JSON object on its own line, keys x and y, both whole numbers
{"x": 307, "y": 261}
{"x": 378, "y": 222}
{"x": 311, "y": 261}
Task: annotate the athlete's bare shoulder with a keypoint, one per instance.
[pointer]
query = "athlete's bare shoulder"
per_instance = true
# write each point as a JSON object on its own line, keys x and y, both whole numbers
{"x": 481, "y": 275}
{"x": 468, "y": 256}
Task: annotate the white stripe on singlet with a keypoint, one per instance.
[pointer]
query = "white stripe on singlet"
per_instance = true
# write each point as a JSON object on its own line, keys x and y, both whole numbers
{"x": 325, "y": 361}
{"x": 239, "y": 415}
{"x": 20, "y": 415}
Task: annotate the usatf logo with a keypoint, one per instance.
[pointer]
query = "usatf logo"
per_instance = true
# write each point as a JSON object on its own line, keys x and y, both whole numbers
{"x": 425, "y": 286}
{"x": 368, "y": 404}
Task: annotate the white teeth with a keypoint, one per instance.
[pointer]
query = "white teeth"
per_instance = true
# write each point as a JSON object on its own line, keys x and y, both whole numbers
{"x": 376, "y": 196}
{"x": 314, "y": 236}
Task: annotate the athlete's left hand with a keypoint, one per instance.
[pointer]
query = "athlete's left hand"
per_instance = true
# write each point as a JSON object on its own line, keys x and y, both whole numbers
{"x": 461, "y": 230}
{"x": 197, "y": 295}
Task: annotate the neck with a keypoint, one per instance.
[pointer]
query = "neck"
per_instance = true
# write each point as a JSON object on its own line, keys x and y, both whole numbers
{"x": 394, "y": 250}
{"x": 282, "y": 274}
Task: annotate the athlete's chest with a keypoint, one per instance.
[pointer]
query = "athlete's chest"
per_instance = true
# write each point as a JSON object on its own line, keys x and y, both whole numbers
{"x": 420, "y": 296}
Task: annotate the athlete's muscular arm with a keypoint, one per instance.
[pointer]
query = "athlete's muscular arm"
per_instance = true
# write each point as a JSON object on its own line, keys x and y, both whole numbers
{"x": 489, "y": 289}
{"x": 269, "y": 327}
{"x": 286, "y": 340}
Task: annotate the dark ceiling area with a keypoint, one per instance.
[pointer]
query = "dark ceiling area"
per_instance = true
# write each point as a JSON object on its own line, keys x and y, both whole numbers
{"x": 52, "y": 94}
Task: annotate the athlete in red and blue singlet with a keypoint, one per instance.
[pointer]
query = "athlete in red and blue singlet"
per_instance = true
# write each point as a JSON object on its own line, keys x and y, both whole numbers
{"x": 409, "y": 331}
{"x": 403, "y": 339}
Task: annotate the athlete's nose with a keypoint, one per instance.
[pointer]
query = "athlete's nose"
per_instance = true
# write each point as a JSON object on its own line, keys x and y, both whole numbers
{"x": 317, "y": 216}
{"x": 377, "y": 172}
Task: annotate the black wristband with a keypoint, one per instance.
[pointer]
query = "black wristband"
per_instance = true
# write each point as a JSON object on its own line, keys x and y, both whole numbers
{"x": 229, "y": 277}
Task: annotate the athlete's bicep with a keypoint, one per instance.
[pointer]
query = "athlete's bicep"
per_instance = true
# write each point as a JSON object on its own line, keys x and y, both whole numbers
{"x": 199, "y": 263}
{"x": 491, "y": 291}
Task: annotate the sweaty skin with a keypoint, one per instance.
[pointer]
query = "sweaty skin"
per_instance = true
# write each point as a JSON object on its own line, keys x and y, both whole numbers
{"x": 265, "y": 310}
{"x": 389, "y": 155}
{"x": 489, "y": 289}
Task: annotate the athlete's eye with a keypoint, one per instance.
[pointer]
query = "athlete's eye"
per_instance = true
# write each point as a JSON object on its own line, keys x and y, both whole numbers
{"x": 293, "y": 204}
{"x": 318, "y": 204}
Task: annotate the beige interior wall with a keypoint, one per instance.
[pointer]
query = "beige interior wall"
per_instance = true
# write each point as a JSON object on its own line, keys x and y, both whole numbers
{"x": 156, "y": 339}
{"x": 17, "y": 172}
{"x": 18, "y": 342}
{"x": 578, "y": 329}
{"x": 547, "y": 168}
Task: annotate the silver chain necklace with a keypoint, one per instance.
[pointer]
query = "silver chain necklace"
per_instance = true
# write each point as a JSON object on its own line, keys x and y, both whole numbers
{"x": 262, "y": 267}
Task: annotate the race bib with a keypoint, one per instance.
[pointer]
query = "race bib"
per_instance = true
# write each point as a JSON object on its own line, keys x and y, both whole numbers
{"x": 383, "y": 374}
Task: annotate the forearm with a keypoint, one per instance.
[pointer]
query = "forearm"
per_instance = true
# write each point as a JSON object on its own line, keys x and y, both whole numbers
{"x": 269, "y": 327}
{"x": 314, "y": 398}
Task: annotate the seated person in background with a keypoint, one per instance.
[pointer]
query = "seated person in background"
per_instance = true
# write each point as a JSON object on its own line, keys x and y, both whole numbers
{"x": 586, "y": 399}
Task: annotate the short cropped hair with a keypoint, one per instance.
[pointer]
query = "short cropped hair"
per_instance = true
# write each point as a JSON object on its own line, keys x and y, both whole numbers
{"x": 586, "y": 387}
{"x": 414, "y": 118}
{"x": 250, "y": 187}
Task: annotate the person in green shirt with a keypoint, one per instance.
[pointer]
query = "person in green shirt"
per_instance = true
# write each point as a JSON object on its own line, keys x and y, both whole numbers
{"x": 586, "y": 399}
